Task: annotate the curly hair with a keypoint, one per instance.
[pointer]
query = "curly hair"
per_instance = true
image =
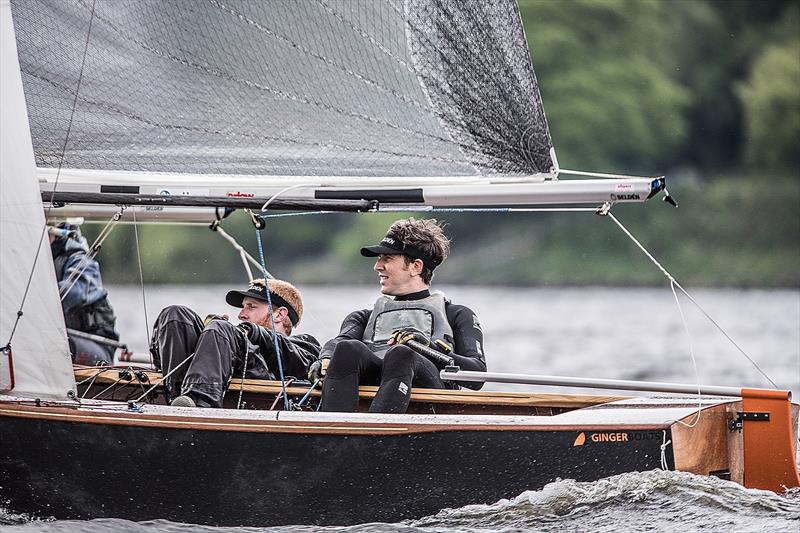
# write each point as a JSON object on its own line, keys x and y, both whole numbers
{"x": 427, "y": 235}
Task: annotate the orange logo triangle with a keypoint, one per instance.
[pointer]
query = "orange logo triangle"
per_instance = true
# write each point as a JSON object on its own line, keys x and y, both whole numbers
{"x": 580, "y": 439}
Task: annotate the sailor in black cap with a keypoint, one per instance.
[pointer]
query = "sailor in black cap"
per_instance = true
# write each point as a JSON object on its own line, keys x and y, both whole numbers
{"x": 218, "y": 349}
{"x": 408, "y": 336}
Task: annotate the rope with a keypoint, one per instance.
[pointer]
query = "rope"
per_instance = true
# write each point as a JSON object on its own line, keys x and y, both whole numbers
{"x": 664, "y": 444}
{"x": 246, "y": 257}
{"x": 307, "y": 394}
{"x": 164, "y": 377}
{"x": 94, "y": 249}
{"x": 272, "y": 320}
{"x": 674, "y": 283}
{"x": 141, "y": 283}
{"x": 286, "y": 189}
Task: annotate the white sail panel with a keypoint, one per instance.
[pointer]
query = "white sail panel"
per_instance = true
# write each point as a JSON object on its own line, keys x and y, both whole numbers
{"x": 40, "y": 355}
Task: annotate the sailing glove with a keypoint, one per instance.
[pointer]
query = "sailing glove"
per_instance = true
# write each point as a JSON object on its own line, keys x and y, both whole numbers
{"x": 403, "y": 336}
{"x": 318, "y": 369}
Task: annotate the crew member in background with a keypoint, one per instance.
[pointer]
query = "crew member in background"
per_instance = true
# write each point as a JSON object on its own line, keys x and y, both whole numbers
{"x": 83, "y": 298}
{"x": 390, "y": 345}
{"x": 219, "y": 349}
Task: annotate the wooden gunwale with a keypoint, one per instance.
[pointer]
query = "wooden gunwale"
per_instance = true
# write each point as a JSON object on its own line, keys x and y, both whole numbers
{"x": 436, "y": 396}
{"x": 365, "y": 427}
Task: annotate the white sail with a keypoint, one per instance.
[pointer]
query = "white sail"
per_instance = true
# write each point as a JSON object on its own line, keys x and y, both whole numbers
{"x": 40, "y": 359}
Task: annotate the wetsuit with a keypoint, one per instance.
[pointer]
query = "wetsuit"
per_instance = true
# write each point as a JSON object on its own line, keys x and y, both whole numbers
{"x": 220, "y": 350}
{"x": 354, "y": 362}
{"x": 85, "y": 302}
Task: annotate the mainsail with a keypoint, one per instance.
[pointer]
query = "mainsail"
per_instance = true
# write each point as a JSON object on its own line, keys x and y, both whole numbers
{"x": 321, "y": 87}
{"x": 222, "y": 95}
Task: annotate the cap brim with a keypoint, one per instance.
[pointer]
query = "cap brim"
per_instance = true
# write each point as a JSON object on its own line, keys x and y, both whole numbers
{"x": 375, "y": 251}
{"x": 235, "y": 298}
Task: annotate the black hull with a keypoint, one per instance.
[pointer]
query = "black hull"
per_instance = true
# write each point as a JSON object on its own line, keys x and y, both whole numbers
{"x": 90, "y": 470}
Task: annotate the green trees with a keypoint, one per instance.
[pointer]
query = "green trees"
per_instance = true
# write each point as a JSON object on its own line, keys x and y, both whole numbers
{"x": 771, "y": 102}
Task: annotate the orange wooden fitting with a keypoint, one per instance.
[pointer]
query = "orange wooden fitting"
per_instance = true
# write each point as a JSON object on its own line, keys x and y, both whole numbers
{"x": 769, "y": 446}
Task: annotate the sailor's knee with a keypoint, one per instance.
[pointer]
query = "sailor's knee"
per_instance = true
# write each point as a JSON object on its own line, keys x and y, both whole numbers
{"x": 399, "y": 356}
{"x": 175, "y": 312}
{"x": 346, "y": 356}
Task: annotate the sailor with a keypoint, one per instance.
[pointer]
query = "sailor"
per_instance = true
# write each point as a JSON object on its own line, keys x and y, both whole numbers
{"x": 218, "y": 349}
{"x": 408, "y": 336}
{"x": 83, "y": 298}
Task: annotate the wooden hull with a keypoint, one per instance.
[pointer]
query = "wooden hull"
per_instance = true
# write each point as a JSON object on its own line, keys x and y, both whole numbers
{"x": 225, "y": 467}
{"x": 265, "y": 467}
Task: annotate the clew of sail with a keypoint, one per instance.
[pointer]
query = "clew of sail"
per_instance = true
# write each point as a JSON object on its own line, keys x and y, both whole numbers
{"x": 332, "y": 97}
{"x": 38, "y": 346}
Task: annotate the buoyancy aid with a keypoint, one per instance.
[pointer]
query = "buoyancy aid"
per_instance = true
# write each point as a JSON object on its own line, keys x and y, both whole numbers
{"x": 427, "y": 314}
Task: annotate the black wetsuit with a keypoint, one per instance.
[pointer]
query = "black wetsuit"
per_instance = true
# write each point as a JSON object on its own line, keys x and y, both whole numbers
{"x": 353, "y": 363}
{"x": 220, "y": 349}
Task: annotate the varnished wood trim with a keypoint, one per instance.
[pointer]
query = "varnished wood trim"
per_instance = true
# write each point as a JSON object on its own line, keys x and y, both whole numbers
{"x": 702, "y": 448}
{"x": 128, "y": 418}
{"x": 464, "y": 397}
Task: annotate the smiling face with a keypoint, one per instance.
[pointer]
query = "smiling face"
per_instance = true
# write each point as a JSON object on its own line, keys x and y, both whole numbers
{"x": 398, "y": 278}
{"x": 257, "y": 312}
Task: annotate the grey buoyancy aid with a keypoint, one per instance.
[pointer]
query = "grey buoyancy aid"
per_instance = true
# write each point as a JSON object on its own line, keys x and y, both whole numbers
{"x": 426, "y": 314}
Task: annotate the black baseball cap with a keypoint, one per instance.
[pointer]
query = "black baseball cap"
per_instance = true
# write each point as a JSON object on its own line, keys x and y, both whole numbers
{"x": 259, "y": 292}
{"x": 392, "y": 244}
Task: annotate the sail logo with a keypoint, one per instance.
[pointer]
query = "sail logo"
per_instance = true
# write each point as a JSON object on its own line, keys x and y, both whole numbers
{"x": 580, "y": 440}
{"x": 616, "y": 197}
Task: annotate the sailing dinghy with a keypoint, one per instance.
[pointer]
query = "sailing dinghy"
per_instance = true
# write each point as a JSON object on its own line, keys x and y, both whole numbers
{"x": 173, "y": 110}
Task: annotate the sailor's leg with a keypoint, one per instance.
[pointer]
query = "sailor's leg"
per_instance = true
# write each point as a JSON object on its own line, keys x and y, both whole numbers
{"x": 90, "y": 353}
{"x": 352, "y": 364}
{"x": 402, "y": 368}
{"x": 175, "y": 334}
{"x": 207, "y": 377}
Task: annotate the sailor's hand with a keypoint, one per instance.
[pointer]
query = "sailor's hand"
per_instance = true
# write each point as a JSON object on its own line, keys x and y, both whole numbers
{"x": 318, "y": 369}
{"x": 213, "y": 316}
{"x": 403, "y": 336}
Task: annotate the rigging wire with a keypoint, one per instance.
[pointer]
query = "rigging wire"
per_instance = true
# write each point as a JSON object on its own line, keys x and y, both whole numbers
{"x": 278, "y": 355}
{"x": 674, "y": 283}
{"x": 94, "y": 249}
{"x": 141, "y": 284}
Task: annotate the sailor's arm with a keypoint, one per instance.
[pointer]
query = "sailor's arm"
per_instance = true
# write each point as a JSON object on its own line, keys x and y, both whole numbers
{"x": 297, "y": 352}
{"x": 467, "y": 342}
{"x": 352, "y": 328}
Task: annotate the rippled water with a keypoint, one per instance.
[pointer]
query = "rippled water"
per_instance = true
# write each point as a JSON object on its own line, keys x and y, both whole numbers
{"x": 600, "y": 332}
{"x": 647, "y": 501}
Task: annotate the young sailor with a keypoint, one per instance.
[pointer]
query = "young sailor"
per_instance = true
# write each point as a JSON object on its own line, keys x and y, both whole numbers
{"x": 391, "y": 344}
{"x": 83, "y": 298}
{"x": 218, "y": 348}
